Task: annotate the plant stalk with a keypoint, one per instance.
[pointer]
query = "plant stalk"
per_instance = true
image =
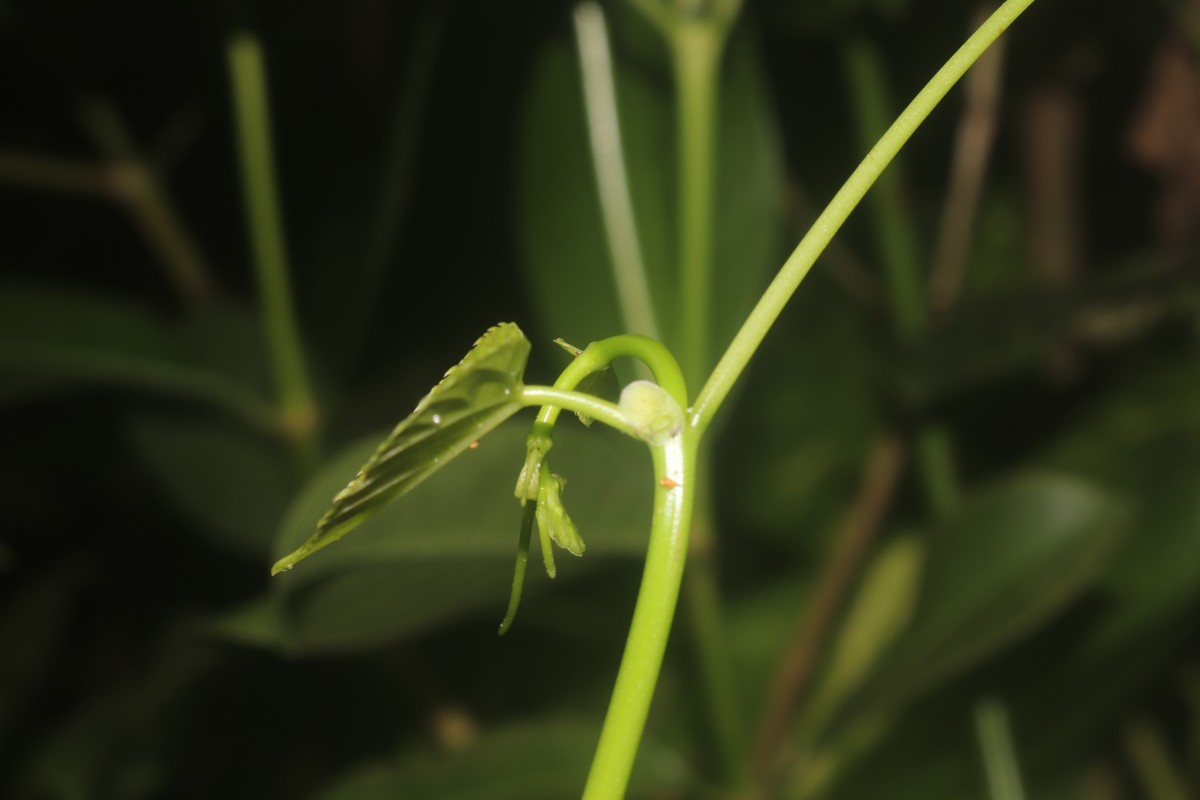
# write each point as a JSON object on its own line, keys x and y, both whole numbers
{"x": 697, "y": 46}
{"x": 696, "y": 50}
{"x": 252, "y": 121}
{"x": 999, "y": 754}
{"x": 612, "y": 176}
{"x": 674, "y": 469}
{"x": 901, "y": 259}
{"x": 798, "y": 264}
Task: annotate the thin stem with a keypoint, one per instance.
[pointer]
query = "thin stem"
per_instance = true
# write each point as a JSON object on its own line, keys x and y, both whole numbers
{"x": 514, "y": 598}
{"x": 555, "y": 399}
{"x": 935, "y": 462}
{"x": 707, "y": 627}
{"x": 902, "y": 265}
{"x": 391, "y": 209}
{"x": 972, "y": 149}
{"x": 697, "y": 44}
{"x": 760, "y": 320}
{"x": 895, "y": 232}
{"x": 674, "y": 465}
{"x": 696, "y": 49}
{"x": 999, "y": 755}
{"x": 131, "y": 183}
{"x": 850, "y": 549}
{"x": 598, "y": 355}
{"x": 252, "y": 121}
{"x": 612, "y": 181}
{"x": 1159, "y": 777}
{"x": 50, "y": 173}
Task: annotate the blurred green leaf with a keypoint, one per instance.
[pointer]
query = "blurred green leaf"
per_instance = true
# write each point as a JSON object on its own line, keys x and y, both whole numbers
{"x": 541, "y": 760}
{"x": 255, "y": 624}
{"x": 1156, "y": 572}
{"x": 565, "y": 252}
{"x": 1009, "y": 333}
{"x": 117, "y": 737}
{"x": 233, "y": 484}
{"x": 795, "y": 448}
{"x": 1143, "y": 441}
{"x": 1005, "y": 564}
{"x": 922, "y": 756}
{"x": 58, "y": 335}
{"x": 228, "y": 338}
{"x": 447, "y": 550}
{"x": 34, "y": 623}
{"x": 474, "y": 397}
{"x": 759, "y": 623}
{"x": 879, "y": 613}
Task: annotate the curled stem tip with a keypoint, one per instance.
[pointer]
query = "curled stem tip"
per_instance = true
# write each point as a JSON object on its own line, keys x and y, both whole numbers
{"x": 514, "y": 599}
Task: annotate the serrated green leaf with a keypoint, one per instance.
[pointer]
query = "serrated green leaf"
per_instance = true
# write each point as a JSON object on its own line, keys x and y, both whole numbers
{"x": 447, "y": 551}
{"x": 474, "y": 397}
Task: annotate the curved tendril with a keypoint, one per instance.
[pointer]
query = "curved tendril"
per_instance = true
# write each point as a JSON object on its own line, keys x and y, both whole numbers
{"x": 514, "y": 599}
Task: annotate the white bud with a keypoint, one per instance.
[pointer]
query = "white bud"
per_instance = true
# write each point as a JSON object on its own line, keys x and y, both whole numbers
{"x": 651, "y": 411}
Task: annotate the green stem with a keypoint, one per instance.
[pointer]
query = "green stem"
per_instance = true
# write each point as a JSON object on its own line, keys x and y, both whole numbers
{"x": 898, "y": 250}
{"x": 696, "y": 47}
{"x": 901, "y": 260}
{"x": 252, "y": 121}
{"x": 999, "y": 755}
{"x": 598, "y": 355}
{"x": 134, "y": 182}
{"x": 399, "y": 168}
{"x": 1159, "y": 777}
{"x": 674, "y": 468}
{"x": 935, "y": 461}
{"x": 554, "y": 399}
{"x": 707, "y": 627}
{"x": 612, "y": 181}
{"x": 760, "y": 320}
{"x": 514, "y": 598}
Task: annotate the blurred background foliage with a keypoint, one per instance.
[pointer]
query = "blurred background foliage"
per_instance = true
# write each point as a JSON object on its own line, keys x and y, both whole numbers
{"x": 1037, "y": 628}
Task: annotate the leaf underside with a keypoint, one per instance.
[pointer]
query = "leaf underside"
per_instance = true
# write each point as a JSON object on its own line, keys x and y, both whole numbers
{"x": 472, "y": 399}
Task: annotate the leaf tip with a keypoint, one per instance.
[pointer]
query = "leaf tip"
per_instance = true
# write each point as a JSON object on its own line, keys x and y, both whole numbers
{"x": 286, "y": 563}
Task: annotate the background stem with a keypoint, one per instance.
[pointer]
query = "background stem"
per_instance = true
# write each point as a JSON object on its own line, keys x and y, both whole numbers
{"x": 697, "y": 46}
{"x": 999, "y": 755}
{"x": 252, "y": 123}
{"x": 901, "y": 259}
{"x": 895, "y": 231}
{"x": 612, "y": 176}
{"x": 706, "y": 624}
{"x": 696, "y": 49}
